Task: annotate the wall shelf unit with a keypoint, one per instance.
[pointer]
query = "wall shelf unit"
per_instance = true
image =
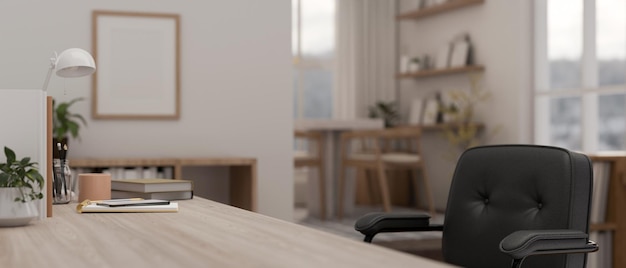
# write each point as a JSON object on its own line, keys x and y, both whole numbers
{"x": 450, "y": 5}
{"x": 439, "y": 72}
{"x": 243, "y": 181}
{"x": 615, "y": 220}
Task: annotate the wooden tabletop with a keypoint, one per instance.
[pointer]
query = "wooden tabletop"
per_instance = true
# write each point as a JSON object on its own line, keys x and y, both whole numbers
{"x": 202, "y": 234}
{"x": 337, "y": 124}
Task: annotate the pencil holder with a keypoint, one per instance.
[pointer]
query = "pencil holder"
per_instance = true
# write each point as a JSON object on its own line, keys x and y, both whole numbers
{"x": 62, "y": 189}
{"x": 94, "y": 186}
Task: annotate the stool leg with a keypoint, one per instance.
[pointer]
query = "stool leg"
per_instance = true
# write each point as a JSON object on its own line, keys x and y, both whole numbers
{"x": 382, "y": 181}
{"x": 341, "y": 187}
{"x": 322, "y": 186}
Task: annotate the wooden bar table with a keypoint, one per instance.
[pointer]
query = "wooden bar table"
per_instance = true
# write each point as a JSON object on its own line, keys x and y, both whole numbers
{"x": 332, "y": 129}
{"x": 202, "y": 234}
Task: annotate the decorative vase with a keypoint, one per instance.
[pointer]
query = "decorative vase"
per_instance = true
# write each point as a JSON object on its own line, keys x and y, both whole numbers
{"x": 15, "y": 213}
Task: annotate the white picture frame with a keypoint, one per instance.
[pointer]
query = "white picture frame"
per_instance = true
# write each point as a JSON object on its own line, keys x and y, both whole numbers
{"x": 431, "y": 107}
{"x": 137, "y": 56}
{"x": 443, "y": 57}
{"x": 459, "y": 54}
{"x": 416, "y": 111}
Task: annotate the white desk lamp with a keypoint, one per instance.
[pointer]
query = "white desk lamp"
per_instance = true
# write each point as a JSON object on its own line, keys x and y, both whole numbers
{"x": 72, "y": 62}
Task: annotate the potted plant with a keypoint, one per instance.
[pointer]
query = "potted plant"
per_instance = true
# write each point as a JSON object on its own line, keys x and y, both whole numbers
{"x": 388, "y": 111}
{"x": 65, "y": 123}
{"x": 463, "y": 132}
{"x": 20, "y": 185}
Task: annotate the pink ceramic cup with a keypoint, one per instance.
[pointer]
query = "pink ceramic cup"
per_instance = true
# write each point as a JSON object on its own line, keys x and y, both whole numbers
{"x": 94, "y": 186}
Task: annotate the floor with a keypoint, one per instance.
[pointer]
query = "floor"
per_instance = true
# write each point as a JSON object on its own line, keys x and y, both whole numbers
{"x": 426, "y": 244}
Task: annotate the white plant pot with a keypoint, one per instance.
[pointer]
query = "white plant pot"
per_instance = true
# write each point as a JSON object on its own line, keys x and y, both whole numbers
{"x": 14, "y": 213}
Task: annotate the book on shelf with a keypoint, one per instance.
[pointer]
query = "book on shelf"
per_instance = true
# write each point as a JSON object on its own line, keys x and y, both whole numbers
{"x": 600, "y": 191}
{"x": 151, "y": 185}
{"x": 175, "y": 195}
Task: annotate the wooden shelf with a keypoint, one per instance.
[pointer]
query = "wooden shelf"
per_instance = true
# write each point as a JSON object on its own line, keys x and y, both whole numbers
{"x": 438, "y": 9}
{"x": 442, "y": 126}
{"x": 242, "y": 172}
{"x": 438, "y": 72}
{"x": 616, "y": 204}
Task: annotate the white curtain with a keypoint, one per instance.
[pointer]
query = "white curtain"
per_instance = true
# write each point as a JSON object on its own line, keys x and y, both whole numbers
{"x": 366, "y": 56}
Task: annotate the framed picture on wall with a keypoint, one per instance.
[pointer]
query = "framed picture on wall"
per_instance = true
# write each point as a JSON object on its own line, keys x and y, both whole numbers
{"x": 431, "y": 107}
{"x": 138, "y": 65}
{"x": 460, "y": 51}
{"x": 416, "y": 112}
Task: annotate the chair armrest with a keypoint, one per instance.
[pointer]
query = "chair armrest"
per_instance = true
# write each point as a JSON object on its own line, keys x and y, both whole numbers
{"x": 378, "y": 222}
{"x": 521, "y": 244}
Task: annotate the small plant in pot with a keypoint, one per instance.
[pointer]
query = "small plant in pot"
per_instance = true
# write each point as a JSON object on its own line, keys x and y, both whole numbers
{"x": 20, "y": 185}
{"x": 388, "y": 111}
{"x": 65, "y": 123}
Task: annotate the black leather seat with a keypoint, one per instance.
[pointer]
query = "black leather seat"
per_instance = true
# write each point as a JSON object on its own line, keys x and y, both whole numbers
{"x": 506, "y": 203}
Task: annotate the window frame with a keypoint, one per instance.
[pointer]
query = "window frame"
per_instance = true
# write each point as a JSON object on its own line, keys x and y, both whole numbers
{"x": 589, "y": 91}
{"x": 302, "y": 63}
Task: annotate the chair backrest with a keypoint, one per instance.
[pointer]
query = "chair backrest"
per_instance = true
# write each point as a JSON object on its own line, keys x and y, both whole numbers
{"x": 309, "y": 147}
{"x": 497, "y": 190}
{"x": 397, "y": 139}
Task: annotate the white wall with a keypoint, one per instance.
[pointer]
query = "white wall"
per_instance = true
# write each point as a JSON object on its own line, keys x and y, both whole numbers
{"x": 235, "y": 83}
{"x": 501, "y": 35}
{"x": 24, "y": 130}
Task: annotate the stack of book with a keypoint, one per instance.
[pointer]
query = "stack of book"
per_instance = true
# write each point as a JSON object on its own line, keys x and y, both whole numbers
{"x": 164, "y": 189}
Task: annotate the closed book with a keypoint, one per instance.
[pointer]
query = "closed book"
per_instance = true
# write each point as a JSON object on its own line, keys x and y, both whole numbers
{"x": 177, "y": 195}
{"x": 151, "y": 185}
{"x": 92, "y": 207}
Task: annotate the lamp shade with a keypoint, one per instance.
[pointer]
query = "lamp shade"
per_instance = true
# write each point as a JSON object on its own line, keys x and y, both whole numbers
{"x": 75, "y": 62}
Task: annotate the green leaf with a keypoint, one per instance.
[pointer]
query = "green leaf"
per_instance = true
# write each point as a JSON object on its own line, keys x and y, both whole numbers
{"x": 9, "y": 154}
{"x": 81, "y": 118}
{"x": 66, "y": 123}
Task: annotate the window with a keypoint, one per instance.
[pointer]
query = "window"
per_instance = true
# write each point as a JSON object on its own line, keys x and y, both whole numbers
{"x": 313, "y": 46}
{"x": 580, "y": 89}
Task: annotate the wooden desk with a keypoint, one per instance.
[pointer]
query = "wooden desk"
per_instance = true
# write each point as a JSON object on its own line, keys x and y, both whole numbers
{"x": 202, "y": 234}
{"x": 243, "y": 180}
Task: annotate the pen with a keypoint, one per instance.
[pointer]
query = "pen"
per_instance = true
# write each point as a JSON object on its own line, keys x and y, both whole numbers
{"x": 62, "y": 154}
{"x": 87, "y": 202}
{"x": 57, "y": 172}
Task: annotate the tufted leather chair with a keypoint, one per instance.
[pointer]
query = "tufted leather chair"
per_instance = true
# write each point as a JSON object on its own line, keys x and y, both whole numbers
{"x": 506, "y": 203}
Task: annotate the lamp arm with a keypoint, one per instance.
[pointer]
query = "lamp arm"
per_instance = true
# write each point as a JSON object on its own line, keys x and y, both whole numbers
{"x": 52, "y": 66}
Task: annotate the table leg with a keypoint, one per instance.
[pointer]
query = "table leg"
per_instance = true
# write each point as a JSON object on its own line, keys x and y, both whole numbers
{"x": 332, "y": 162}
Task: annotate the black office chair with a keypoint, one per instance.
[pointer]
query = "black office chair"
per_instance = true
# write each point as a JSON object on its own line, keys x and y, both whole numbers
{"x": 506, "y": 203}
